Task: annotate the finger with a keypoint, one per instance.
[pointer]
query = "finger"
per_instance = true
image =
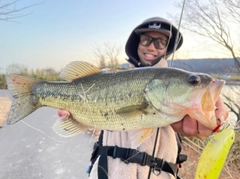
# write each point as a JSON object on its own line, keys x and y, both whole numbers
{"x": 221, "y": 111}
{"x": 203, "y": 131}
{"x": 177, "y": 127}
{"x": 62, "y": 113}
{"x": 190, "y": 126}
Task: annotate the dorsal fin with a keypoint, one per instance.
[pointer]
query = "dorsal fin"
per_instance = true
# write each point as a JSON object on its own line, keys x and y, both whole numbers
{"x": 78, "y": 69}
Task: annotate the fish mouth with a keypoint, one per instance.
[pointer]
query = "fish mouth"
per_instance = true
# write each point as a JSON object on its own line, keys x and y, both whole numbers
{"x": 211, "y": 95}
{"x": 206, "y": 115}
{"x": 205, "y": 112}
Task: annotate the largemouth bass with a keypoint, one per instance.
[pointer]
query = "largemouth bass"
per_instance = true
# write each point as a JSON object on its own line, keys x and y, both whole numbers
{"x": 142, "y": 98}
{"x": 215, "y": 154}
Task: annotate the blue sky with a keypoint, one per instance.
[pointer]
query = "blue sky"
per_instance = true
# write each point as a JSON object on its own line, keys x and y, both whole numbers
{"x": 58, "y": 32}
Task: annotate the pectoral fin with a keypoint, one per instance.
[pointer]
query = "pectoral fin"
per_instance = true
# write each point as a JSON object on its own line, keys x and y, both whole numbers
{"x": 68, "y": 127}
{"x": 132, "y": 111}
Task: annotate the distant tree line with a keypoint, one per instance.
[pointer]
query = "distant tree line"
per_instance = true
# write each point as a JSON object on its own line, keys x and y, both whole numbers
{"x": 106, "y": 56}
{"x": 48, "y": 74}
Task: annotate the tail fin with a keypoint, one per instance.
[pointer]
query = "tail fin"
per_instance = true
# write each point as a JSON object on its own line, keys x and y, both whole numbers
{"x": 23, "y": 104}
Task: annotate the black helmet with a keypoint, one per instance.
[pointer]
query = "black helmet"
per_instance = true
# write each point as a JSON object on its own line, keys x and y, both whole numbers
{"x": 153, "y": 24}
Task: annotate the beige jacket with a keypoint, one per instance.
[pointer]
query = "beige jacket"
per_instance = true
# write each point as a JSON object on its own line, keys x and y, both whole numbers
{"x": 166, "y": 149}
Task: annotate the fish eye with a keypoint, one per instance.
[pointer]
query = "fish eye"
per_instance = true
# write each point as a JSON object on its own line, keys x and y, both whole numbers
{"x": 194, "y": 80}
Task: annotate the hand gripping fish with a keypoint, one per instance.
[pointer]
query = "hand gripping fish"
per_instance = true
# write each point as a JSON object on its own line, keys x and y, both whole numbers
{"x": 215, "y": 154}
{"x": 142, "y": 98}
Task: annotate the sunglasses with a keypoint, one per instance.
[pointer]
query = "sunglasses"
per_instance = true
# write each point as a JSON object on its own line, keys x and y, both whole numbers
{"x": 159, "y": 43}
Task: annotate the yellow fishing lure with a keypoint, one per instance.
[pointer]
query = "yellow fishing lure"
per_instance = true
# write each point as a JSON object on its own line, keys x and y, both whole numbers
{"x": 214, "y": 154}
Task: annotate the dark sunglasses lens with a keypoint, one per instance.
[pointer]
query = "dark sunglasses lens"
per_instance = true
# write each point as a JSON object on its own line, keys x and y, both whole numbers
{"x": 159, "y": 43}
{"x": 145, "y": 40}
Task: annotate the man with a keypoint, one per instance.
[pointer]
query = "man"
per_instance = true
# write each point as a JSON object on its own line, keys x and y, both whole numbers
{"x": 115, "y": 156}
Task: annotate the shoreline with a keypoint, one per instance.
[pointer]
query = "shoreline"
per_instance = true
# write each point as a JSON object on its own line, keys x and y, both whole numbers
{"x": 231, "y": 82}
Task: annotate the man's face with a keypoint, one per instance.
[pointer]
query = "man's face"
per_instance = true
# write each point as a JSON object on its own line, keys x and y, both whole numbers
{"x": 148, "y": 53}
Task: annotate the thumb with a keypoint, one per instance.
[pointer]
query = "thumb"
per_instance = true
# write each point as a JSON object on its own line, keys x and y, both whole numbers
{"x": 221, "y": 112}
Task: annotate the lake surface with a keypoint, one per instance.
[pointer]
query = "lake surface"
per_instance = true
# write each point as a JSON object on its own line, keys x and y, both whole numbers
{"x": 231, "y": 95}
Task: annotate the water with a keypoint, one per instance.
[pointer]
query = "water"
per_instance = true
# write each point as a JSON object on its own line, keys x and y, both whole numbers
{"x": 231, "y": 96}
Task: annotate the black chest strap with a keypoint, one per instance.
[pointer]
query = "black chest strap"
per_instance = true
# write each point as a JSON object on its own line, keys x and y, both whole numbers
{"x": 130, "y": 156}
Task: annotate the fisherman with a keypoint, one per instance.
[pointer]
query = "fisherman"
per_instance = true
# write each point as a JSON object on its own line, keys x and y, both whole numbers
{"x": 158, "y": 157}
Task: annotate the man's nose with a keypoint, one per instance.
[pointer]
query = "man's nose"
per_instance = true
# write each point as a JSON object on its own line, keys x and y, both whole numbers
{"x": 151, "y": 46}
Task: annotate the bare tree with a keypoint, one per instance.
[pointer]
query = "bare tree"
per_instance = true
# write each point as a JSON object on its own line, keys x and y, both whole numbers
{"x": 50, "y": 74}
{"x": 10, "y": 11}
{"x": 210, "y": 18}
{"x": 16, "y": 69}
{"x": 49, "y": 71}
{"x": 99, "y": 56}
{"x": 107, "y": 55}
{"x": 234, "y": 7}
{"x": 112, "y": 52}
{"x": 1, "y": 70}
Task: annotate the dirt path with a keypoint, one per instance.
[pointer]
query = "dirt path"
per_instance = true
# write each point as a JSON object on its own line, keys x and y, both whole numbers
{"x": 5, "y": 105}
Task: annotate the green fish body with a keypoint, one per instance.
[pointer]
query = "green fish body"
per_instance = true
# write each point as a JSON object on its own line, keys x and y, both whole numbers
{"x": 142, "y": 98}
